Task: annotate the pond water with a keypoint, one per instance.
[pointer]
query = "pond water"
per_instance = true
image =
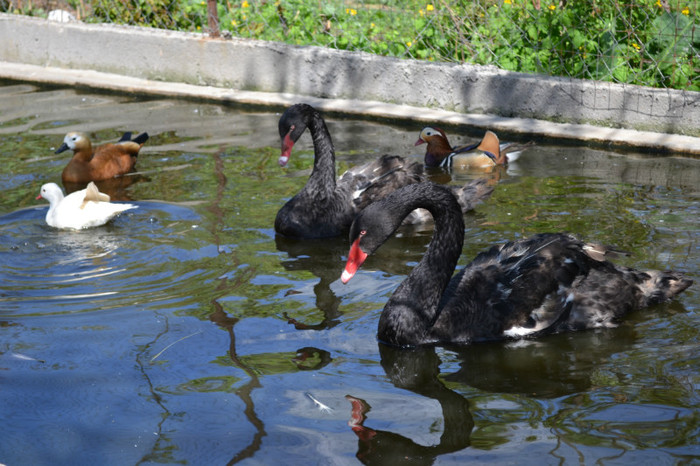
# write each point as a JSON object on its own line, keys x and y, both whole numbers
{"x": 186, "y": 332}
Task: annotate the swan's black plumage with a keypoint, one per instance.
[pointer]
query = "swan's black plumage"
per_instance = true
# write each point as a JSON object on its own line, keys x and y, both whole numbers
{"x": 325, "y": 207}
{"x": 548, "y": 283}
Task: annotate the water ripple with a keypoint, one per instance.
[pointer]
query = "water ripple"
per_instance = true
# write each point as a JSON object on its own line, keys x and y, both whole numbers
{"x": 136, "y": 260}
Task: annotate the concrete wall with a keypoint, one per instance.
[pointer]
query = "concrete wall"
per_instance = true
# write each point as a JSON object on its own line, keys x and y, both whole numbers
{"x": 176, "y": 63}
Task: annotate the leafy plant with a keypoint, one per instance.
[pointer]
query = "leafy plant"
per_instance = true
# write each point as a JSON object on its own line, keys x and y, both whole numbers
{"x": 640, "y": 41}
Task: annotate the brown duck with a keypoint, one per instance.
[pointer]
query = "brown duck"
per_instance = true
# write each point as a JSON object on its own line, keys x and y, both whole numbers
{"x": 102, "y": 162}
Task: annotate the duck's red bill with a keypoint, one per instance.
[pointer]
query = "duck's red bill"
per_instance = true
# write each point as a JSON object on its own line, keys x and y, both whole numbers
{"x": 355, "y": 259}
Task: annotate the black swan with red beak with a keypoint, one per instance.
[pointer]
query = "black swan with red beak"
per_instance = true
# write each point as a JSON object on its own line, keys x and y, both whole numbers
{"x": 325, "y": 206}
{"x": 548, "y": 283}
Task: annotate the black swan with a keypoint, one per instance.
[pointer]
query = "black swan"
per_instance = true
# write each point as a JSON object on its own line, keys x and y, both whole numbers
{"x": 484, "y": 154}
{"x": 325, "y": 207}
{"x": 548, "y": 283}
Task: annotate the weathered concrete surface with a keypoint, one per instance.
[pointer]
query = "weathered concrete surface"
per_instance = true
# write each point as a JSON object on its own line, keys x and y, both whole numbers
{"x": 190, "y": 65}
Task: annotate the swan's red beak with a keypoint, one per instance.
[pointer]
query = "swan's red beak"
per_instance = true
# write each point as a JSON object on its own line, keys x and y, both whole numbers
{"x": 356, "y": 257}
{"x": 287, "y": 145}
{"x": 39, "y": 196}
{"x": 419, "y": 142}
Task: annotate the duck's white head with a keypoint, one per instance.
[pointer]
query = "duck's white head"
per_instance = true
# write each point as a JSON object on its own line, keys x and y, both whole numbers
{"x": 74, "y": 140}
{"x": 427, "y": 133}
{"x": 51, "y": 192}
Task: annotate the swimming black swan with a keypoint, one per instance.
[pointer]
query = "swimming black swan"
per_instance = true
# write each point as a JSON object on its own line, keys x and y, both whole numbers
{"x": 548, "y": 283}
{"x": 324, "y": 207}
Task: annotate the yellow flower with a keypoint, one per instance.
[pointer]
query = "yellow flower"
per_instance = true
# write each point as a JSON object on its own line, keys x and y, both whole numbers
{"x": 636, "y": 46}
{"x": 685, "y": 11}
{"x": 658, "y": 3}
{"x": 507, "y": 2}
{"x": 234, "y": 22}
{"x": 421, "y": 12}
{"x": 245, "y": 4}
{"x": 552, "y": 7}
{"x": 409, "y": 43}
{"x": 429, "y": 7}
{"x": 351, "y": 11}
{"x": 371, "y": 25}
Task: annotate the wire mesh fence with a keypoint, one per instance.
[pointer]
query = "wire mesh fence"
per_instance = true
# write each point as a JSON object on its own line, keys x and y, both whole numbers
{"x": 647, "y": 42}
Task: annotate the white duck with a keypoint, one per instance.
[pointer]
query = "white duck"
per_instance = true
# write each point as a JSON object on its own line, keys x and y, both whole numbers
{"x": 81, "y": 209}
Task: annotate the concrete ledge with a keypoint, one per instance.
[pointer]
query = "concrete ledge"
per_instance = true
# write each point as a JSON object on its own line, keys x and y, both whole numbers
{"x": 151, "y": 61}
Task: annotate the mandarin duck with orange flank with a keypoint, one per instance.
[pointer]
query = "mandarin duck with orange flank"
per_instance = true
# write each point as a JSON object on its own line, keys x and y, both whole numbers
{"x": 101, "y": 162}
{"x": 485, "y": 154}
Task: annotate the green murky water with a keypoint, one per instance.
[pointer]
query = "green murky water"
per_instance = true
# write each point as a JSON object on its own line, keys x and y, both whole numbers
{"x": 186, "y": 332}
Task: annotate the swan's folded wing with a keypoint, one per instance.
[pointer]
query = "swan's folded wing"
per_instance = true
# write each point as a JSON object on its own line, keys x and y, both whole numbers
{"x": 518, "y": 290}
{"x": 375, "y": 180}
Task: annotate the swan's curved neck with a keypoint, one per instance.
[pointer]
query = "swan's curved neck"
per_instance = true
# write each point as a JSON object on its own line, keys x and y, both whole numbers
{"x": 414, "y": 307}
{"x": 323, "y": 174}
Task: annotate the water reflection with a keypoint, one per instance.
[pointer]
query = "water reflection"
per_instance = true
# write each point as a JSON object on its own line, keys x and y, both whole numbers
{"x": 550, "y": 367}
{"x": 219, "y": 317}
{"x": 415, "y": 370}
{"x": 116, "y": 188}
{"x": 51, "y": 271}
{"x": 325, "y": 259}
{"x": 305, "y": 359}
{"x": 322, "y": 259}
{"x": 203, "y": 260}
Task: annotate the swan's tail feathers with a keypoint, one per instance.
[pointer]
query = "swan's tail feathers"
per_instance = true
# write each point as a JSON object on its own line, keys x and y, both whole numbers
{"x": 472, "y": 193}
{"x": 375, "y": 180}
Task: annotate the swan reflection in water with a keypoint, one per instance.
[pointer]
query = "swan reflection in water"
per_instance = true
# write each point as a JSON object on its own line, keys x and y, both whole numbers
{"x": 415, "y": 370}
{"x": 321, "y": 258}
{"x": 324, "y": 258}
{"x": 551, "y": 367}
